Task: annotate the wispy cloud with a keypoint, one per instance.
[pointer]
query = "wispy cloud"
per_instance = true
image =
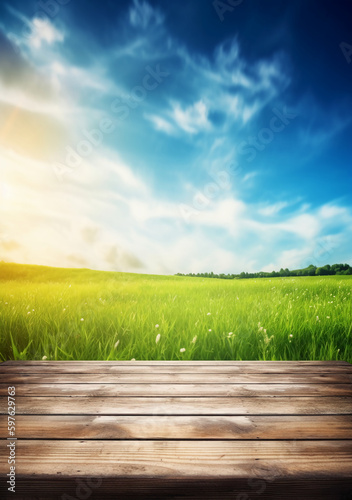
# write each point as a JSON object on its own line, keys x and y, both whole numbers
{"x": 224, "y": 85}
{"x": 44, "y": 31}
{"x": 271, "y": 210}
{"x": 160, "y": 123}
{"x": 144, "y": 231}
{"x": 120, "y": 208}
{"x": 37, "y": 30}
{"x": 143, "y": 15}
{"x": 192, "y": 119}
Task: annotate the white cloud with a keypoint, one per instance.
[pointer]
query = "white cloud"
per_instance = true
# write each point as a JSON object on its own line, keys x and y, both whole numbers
{"x": 225, "y": 85}
{"x": 44, "y": 31}
{"x": 218, "y": 142}
{"x": 36, "y": 31}
{"x": 160, "y": 123}
{"x": 21, "y": 98}
{"x": 192, "y": 119}
{"x": 306, "y": 226}
{"x": 271, "y": 210}
{"x": 106, "y": 211}
{"x": 143, "y": 15}
{"x": 227, "y": 214}
{"x": 331, "y": 211}
{"x": 114, "y": 221}
{"x": 249, "y": 176}
{"x": 291, "y": 259}
{"x": 58, "y": 68}
{"x": 116, "y": 171}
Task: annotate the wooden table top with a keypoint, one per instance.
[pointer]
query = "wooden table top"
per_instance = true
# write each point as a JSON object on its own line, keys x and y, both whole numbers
{"x": 238, "y": 430}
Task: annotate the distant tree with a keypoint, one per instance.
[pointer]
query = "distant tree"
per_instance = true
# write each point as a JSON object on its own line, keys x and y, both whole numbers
{"x": 328, "y": 269}
{"x": 311, "y": 270}
{"x": 321, "y": 271}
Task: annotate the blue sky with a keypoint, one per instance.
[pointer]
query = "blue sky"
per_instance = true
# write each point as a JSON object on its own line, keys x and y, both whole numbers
{"x": 165, "y": 137}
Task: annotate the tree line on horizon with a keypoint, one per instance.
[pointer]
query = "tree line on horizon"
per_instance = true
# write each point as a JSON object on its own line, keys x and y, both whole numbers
{"x": 327, "y": 270}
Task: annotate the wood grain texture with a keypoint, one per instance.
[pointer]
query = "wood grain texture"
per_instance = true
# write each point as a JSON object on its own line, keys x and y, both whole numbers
{"x": 181, "y": 390}
{"x": 172, "y": 430}
{"x": 182, "y": 458}
{"x": 180, "y": 427}
{"x": 176, "y": 378}
{"x": 180, "y": 406}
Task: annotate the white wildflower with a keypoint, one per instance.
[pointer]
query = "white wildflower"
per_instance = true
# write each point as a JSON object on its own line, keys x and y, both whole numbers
{"x": 157, "y": 338}
{"x": 44, "y": 358}
{"x": 267, "y": 339}
{"x": 116, "y": 344}
{"x": 194, "y": 340}
{"x": 208, "y": 314}
{"x": 182, "y": 350}
{"x": 82, "y": 319}
{"x": 156, "y": 326}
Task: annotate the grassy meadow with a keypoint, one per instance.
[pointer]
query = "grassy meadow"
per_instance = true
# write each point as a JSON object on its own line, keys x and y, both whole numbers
{"x": 78, "y": 314}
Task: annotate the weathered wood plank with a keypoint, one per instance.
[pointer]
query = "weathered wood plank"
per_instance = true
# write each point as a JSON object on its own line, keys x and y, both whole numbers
{"x": 57, "y": 367}
{"x": 283, "y": 423}
{"x": 178, "y": 427}
{"x": 266, "y": 459}
{"x": 182, "y": 390}
{"x": 180, "y": 406}
{"x": 174, "y": 377}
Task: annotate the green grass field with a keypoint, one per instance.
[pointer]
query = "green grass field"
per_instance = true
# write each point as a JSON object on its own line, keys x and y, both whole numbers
{"x": 70, "y": 314}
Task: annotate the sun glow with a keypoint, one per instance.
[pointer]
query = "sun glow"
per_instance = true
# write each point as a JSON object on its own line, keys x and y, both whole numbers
{"x": 6, "y": 192}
